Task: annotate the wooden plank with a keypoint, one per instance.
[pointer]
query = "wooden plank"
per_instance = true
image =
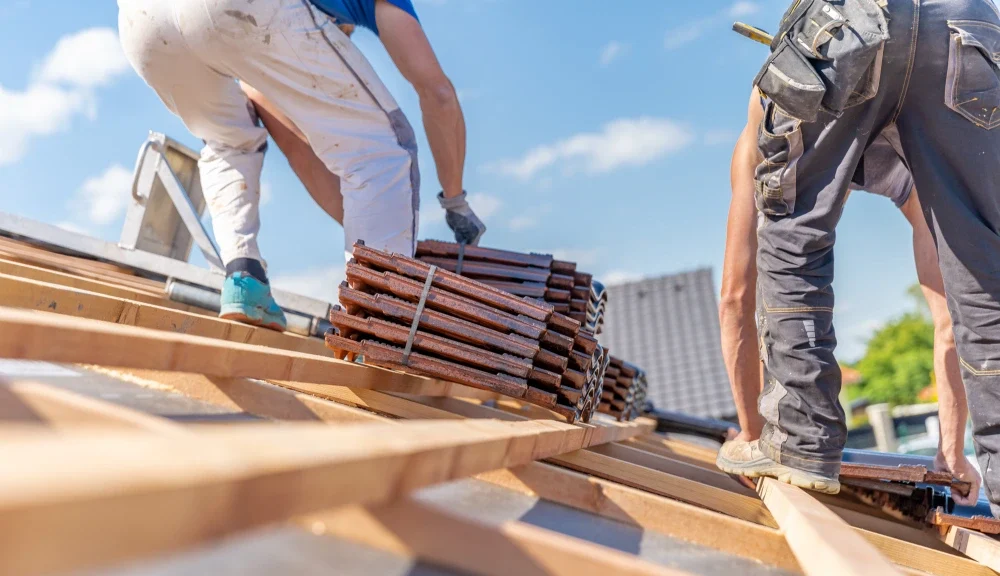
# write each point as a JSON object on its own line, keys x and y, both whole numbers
{"x": 714, "y": 478}
{"x": 413, "y": 528}
{"x": 224, "y": 479}
{"x": 462, "y": 407}
{"x": 33, "y": 335}
{"x": 736, "y": 505}
{"x": 975, "y": 545}
{"x": 904, "y": 545}
{"x": 648, "y": 512}
{"x": 35, "y": 295}
{"x": 680, "y": 450}
{"x": 823, "y": 543}
{"x": 105, "y": 272}
{"x": 245, "y": 395}
{"x": 868, "y": 520}
{"x": 926, "y": 560}
{"x": 382, "y": 403}
{"x": 34, "y": 403}
{"x": 676, "y": 453}
{"x": 40, "y": 274}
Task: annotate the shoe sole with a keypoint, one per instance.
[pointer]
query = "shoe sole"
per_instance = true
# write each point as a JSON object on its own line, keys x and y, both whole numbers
{"x": 244, "y": 319}
{"x": 780, "y": 473}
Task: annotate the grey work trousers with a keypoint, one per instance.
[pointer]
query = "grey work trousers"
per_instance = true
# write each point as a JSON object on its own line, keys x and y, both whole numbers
{"x": 936, "y": 94}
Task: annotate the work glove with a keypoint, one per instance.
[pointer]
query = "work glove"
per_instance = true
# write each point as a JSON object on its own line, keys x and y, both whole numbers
{"x": 468, "y": 228}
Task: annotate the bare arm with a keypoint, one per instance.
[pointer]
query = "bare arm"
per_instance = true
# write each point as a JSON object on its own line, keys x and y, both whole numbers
{"x": 322, "y": 185}
{"x": 952, "y": 404}
{"x": 444, "y": 123}
{"x": 739, "y": 281}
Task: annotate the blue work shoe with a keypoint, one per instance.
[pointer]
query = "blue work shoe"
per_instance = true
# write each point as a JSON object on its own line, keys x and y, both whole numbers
{"x": 248, "y": 300}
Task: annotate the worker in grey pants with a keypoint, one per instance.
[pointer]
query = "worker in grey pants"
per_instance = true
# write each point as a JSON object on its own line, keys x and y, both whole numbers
{"x": 924, "y": 74}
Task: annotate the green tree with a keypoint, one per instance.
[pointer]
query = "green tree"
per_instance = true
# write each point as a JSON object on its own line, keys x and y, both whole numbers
{"x": 899, "y": 360}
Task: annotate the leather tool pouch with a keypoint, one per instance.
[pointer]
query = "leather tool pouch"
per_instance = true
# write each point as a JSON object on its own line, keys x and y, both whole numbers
{"x": 827, "y": 56}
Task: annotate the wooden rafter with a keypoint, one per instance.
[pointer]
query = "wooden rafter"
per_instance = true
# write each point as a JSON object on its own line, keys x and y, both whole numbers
{"x": 691, "y": 491}
{"x": 44, "y": 296}
{"x": 648, "y": 512}
{"x": 139, "y": 294}
{"x": 245, "y": 395}
{"x": 308, "y": 387}
{"x": 979, "y": 547}
{"x": 32, "y": 403}
{"x": 224, "y": 479}
{"x": 824, "y": 544}
{"x": 33, "y": 335}
{"x": 413, "y": 528}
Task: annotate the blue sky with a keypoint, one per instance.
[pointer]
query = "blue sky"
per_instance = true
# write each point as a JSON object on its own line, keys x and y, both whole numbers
{"x": 603, "y": 137}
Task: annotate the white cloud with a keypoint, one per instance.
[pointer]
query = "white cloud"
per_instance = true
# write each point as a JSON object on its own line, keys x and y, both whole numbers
{"x": 611, "y": 51}
{"x": 430, "y": 219}
{"x": 523, "y": 222}
{"x": 684, "y": 35}
{"x": 319, "y": 283}
{"x": 41, "y": 110}
{"x": 466, "y": 95}
{"x": 88, "y": 58}
{"x": 484, "y": 205}
{"x": 530, "y": 219}
{"x": 266, "y": 193}
{"x": 106, "y": 196}
{"x": 615, "y": 277}
{"x": 695, "y": 29}
{"x": 62, "y": 89}
{"x": 623, "y": 142}
{"x": 743, "y": 8}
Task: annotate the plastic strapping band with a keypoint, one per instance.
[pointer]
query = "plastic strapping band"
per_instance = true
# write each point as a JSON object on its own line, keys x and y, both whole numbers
{"x": 461, "y": 258}
{"x": 419, "y": 313}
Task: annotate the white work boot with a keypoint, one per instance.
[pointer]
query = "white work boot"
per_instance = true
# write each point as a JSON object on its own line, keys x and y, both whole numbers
{"x": 746, "y": 459}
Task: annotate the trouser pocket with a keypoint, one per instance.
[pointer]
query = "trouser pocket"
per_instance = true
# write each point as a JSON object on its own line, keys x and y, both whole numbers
{"x": 973, "y": 86}
{"x": 789, "y": 79}
{"x": 780, "y": 144}
{"x": 841, "y": 44}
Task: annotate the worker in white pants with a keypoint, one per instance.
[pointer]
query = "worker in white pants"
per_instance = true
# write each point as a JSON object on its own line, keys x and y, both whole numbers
{"x": 191, "y": 52}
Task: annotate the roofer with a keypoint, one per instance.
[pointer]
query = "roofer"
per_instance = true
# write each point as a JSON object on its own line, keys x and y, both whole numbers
{"x": 840, "y": 75}
{"x": 191, "y": 52}
{"x": 881, "y": 172}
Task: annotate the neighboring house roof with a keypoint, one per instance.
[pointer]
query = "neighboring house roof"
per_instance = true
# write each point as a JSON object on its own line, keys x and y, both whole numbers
{"x": 669, "y": 326}
{"x": 849, "y": 376}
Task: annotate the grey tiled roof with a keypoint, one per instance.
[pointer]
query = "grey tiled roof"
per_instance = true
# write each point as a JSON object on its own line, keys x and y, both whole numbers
{"x": 669, "y": 326}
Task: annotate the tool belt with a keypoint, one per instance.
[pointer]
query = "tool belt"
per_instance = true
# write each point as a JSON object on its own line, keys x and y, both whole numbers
{"x": 826, "y": 57}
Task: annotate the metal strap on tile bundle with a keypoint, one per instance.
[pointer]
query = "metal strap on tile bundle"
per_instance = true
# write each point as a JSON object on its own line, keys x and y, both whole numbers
{"x": 416, "y": 317}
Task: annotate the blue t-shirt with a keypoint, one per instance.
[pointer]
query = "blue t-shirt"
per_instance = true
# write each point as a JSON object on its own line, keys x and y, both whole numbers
{"x": 359, "y": 12}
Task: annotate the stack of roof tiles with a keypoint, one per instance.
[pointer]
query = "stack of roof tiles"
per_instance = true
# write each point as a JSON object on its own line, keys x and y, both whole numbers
{"x": 910, "y": 492}
{"x": 468, "y": 332}
{"x": 594, "y": 320}
{"x": 624, "y": 392}
{"x": 539, "y": 276}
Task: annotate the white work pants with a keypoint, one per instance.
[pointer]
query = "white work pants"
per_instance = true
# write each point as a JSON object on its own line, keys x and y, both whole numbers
{"x": 192, "y": 51}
